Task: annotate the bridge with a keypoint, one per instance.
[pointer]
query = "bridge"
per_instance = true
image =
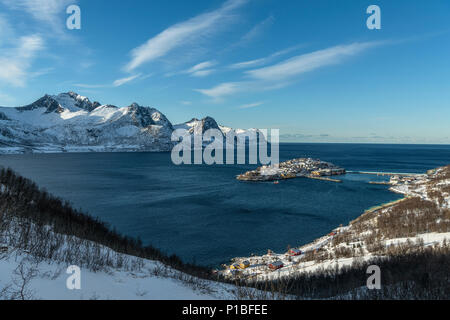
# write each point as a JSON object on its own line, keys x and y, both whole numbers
{"x": 386, "y": 173}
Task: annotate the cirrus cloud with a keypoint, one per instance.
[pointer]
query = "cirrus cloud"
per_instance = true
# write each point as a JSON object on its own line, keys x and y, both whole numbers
{"x": 15, "y": 62}
{"x": 181, "y": 34}
{"x": 309, "y": 62}
{"x": 281, "y": 74}
{"x": 51, "y": 12}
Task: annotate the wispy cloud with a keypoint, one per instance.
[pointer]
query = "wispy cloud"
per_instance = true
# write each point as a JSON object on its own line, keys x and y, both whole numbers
{"x": 202, "y": 69}
{"x": 6, "y": 31}
{"x": 249, "y": 64}
{"x": 35, "y": 21}
{"x": 120, "y": 82}
{"x": 50, "y": 12}
{"x": 251, "y": 105}
{"x": 116, "y": 83}
{"x": 309, "y": 62}
{"x": 181, "y": 34}
{"x": 92, "y": 86}
{"x": 203, "y": 73}
{"x": 256, "y": 31}
{"x": 262, "y": 61}
{"x": 202, "y": 66}
{"x": 281, "y": 74}
{"x": 230, "y": 88}
{"x": 221, "y": 90}
{"x": 16, "y": 62}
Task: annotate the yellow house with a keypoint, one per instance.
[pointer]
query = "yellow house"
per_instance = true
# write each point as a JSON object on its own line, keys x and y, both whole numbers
{"x": 244, "y": 264}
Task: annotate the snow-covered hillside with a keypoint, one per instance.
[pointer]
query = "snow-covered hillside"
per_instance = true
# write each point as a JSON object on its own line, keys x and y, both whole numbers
{"x": 417, "y": 222}
{"x": 139, "y": 279}
{"x": 40, "y": 237}
{"x": 69, "y": 122}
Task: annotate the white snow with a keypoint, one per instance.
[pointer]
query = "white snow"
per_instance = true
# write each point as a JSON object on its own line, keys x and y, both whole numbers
{"x": 429, "y": 239}
{"x": 50, "y": 283}
{"x": 104, "y": 128}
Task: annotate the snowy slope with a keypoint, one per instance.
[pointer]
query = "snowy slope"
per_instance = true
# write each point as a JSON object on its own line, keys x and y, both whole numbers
{"x": 196, "y": 126}
{"x": 152, "y": 281}
{"x": 70, "y": 122}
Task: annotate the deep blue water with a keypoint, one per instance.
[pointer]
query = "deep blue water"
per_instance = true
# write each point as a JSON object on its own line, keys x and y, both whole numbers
{"x": 203, "y": 214}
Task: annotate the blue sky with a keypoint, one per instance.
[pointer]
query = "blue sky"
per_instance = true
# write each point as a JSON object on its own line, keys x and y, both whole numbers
{"x": 309, "y": 68}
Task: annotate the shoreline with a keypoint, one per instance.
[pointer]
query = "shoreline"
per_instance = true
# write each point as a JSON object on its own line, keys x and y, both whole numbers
{"x": 295, "y": 262}
{"x": 385, "y": 205}
{"x": 326, "y": 238}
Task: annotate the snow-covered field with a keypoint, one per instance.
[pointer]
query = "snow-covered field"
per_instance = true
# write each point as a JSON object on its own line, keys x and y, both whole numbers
{"x": 49, "y": 282}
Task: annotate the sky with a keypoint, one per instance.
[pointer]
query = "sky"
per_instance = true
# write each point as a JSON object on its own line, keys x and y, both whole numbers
{"x": 312, "y": 69}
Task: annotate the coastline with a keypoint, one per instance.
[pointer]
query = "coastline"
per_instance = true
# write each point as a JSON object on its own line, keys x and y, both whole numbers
{"x": 313, "y": 262}
{"x": 297, "y": 264}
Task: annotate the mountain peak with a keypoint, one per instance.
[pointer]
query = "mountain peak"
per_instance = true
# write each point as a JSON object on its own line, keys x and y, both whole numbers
{"x": 199, "y": 126}
{"x": 48, "y": 102}
{"x": 209, "y": 123}
{"x": 135, "y": 105}
{"x": 146, "y": 116}
{"x": 72, "y": 100}
{"x": 67, "y": 121}
{"x": 64, "y": 101}
{"x": 107, "y": 128}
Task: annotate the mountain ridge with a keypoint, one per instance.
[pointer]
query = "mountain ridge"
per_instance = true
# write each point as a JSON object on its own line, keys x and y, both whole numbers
{"x": 69, "y": 122}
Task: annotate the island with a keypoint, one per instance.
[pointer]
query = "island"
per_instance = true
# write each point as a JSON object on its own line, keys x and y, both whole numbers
{"x": 301, "y": 167}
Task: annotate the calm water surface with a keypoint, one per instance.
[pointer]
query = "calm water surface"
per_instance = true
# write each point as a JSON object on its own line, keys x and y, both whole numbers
{"x": 203, "y": 214}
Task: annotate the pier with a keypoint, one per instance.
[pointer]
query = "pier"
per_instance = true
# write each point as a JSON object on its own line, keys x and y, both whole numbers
{"x": 324, "y": 179}
{"x": 385, "y": 173}
{"x": 380, "y": 183}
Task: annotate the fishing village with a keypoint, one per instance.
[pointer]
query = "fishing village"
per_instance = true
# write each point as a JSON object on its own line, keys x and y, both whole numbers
{"x": 302, "y": 167}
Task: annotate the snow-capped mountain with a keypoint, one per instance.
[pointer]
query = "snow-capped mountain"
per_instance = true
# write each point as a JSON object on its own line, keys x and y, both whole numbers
{"x": 69, "y": 122}
{"x": 196, "y": 126}
{"x": 230, "y": 137}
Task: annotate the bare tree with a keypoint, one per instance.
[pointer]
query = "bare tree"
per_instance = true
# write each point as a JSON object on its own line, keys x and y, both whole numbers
{"x": 22, "y": 277}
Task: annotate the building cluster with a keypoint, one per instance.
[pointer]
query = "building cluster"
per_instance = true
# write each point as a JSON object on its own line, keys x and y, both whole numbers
{"x": 406, "y": 180}
{"x": 302, "y": 167}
